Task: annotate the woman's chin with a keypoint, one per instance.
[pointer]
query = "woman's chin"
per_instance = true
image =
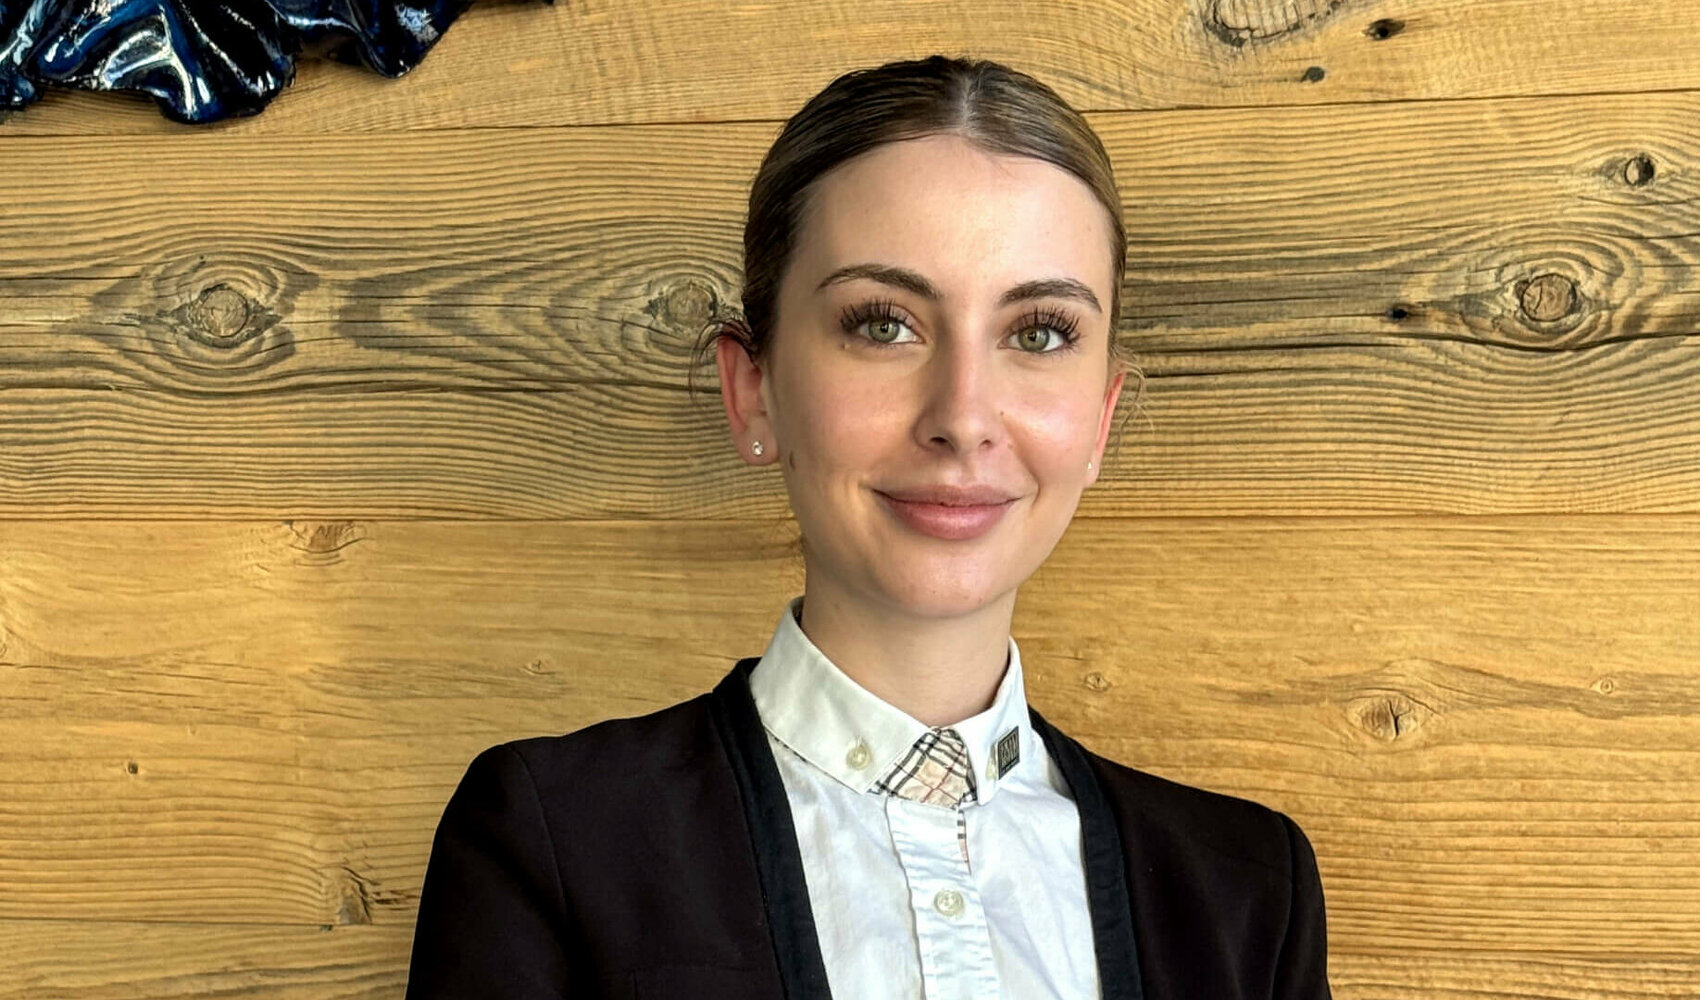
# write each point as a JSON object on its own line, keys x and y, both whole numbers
{"x": 946, "y": 592}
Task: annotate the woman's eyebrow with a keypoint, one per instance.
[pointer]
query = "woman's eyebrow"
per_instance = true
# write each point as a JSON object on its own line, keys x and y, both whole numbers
{"x": 902, "y": 277}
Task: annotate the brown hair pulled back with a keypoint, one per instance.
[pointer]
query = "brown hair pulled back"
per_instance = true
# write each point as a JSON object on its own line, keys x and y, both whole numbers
{"x": 996, "y": 108}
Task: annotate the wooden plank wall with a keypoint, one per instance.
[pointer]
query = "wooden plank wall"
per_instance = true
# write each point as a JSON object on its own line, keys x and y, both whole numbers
{"x": 339, "y": 443}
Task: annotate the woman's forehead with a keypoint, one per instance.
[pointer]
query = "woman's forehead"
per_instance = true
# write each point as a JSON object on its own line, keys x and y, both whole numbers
{"x": 955, "y": 214}
{"x": 949, "y": 180}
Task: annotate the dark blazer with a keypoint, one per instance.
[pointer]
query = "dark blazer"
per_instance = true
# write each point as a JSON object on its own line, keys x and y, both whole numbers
{"x": 655, "y": 857}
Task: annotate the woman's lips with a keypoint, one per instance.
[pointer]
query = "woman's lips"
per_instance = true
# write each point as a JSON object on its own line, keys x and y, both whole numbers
{"x": 947, "y": 522}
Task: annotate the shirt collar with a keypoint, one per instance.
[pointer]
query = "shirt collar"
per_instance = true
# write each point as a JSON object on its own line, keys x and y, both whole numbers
{"x": 812, "y": 706}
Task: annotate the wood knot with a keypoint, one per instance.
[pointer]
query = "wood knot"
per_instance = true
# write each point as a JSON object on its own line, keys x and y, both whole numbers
{"x": 1547, "y": 298}
{"x": 222, "y": 318}
{"x": 688, "y": 304}
{"x": 1313, "y": 74}
{"x": 1605, "y": 685}
{"x": 1096, "y": 681}
{"x": 1387, "y": 715}
{"x": 323, "y": 540}
{"x": 359, "y": 894}
{"x": 1384, "y": 28}
{"x": 356, "y": 903}
{"x": 212, "y": 315}
{"x": 219, "y": 315}
{"x": 131, "y": 766}
{"x": 1237, "y": 22}
{"x": 1639, "y": 170}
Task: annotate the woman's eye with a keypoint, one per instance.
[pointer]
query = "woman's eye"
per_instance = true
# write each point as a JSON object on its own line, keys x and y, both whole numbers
{"x": 1025, "y": 340}
{"x": 884, "y": 329}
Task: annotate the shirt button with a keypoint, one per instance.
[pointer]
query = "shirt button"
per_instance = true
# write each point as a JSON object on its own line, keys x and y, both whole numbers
{"x": 859, "y": 756}
{"x": 948, "y": 902}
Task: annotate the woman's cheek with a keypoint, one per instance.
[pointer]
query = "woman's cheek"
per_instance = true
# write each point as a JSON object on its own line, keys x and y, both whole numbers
{"x": 1057, "y": 425}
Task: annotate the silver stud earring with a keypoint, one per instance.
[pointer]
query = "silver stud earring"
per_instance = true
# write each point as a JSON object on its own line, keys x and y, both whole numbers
{"x": 755, "y": 446}
{"x": 1089, "y": 465}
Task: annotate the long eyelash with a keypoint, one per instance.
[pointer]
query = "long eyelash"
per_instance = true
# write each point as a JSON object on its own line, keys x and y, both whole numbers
{"x": 876, "y": 309}
{"x": 1063, "y": 323}
{"x": 1054, "y": 319}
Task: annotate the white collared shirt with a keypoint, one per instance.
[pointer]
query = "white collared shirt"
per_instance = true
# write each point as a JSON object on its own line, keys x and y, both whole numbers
{"x": 899, "y": 913}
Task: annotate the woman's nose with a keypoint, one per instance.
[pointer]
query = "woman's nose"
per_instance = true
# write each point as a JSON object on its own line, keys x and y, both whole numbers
{"x": 960, "y": 406}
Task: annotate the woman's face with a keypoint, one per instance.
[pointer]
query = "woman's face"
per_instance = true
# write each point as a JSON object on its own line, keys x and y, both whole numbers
{"x": 972, "y": 390}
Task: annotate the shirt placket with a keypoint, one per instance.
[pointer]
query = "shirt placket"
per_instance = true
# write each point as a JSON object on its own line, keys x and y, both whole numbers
{"x": 950, "y": 922}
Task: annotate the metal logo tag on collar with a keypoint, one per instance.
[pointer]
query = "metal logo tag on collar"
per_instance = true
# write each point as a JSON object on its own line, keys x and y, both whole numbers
{"x": 1007, "y": 751}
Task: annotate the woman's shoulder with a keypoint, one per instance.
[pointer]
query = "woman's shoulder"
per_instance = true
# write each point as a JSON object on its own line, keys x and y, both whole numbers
{"x": 596, "y": 791}
{"x": 1164, "y": 814}
{"x": 631, "y": 744}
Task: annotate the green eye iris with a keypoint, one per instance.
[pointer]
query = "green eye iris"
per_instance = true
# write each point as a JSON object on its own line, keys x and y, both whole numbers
{"x": 874, "y": 327}
{"x": 1039, "y": 345}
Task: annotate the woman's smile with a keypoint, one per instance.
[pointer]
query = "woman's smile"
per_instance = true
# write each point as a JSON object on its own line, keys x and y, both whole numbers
{"x": 953, "y": 522}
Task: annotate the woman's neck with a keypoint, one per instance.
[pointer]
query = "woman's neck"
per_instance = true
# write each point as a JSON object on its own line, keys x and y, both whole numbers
{"x": 938, "y": 670}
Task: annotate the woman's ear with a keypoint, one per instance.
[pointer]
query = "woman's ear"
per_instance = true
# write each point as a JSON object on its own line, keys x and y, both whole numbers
{"x": 741, "y": 390}
{"x": 1112, "y": 393}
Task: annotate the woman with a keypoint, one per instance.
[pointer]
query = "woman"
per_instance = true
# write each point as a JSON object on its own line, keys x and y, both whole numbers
{"x": 870, "y": 809}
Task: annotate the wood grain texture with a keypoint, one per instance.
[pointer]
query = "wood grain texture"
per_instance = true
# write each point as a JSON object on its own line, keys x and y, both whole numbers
{"x": 153, "y": 960}
{"x": 520, "y": 65}
{"x": 1491, "y": 773}
{"x": 341, "y": 442}
{"x": 1464, "y": 307}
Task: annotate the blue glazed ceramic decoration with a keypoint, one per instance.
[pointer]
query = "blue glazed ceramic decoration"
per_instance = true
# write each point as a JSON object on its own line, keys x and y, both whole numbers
{"x": 204, "y": 60}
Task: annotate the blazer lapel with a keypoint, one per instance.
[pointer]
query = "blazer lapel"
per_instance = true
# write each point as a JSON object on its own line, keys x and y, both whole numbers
{"x": 1106, "y": 874}
{"x": 780, "y": 863}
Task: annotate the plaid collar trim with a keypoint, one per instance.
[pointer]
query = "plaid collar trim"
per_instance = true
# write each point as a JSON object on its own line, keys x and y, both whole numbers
{"x": 834, "y": 723}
